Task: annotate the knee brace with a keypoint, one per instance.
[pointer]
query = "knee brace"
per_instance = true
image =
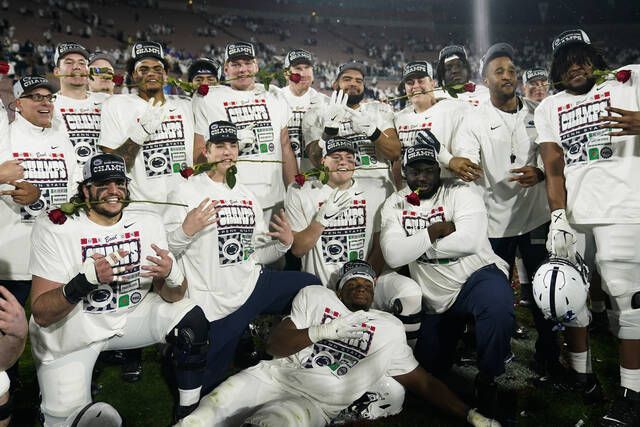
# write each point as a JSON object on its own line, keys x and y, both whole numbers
{"x": 409, "y": 310}
{"x": 189, "y": 340}
{"x": 621, "y": 281}
{"x": 624, "y": 316}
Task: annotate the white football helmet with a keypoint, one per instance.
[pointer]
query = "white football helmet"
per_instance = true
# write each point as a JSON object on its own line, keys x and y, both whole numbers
{"x": 560, "y": 288}
{"x": 384, "y": 399}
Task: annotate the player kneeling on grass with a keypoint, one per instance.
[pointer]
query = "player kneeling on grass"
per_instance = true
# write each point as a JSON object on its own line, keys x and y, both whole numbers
{"x": 92, "y": 280}
{"x": 330, "y": 352}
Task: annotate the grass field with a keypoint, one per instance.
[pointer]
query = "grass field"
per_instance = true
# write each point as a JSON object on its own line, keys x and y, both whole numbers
{"x": 149, "y": 402}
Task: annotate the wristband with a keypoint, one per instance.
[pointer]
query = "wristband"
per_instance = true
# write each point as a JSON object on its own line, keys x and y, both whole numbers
{"x": 281, "y": 247}
{"x": 77, "y": 288}
{"x": 329, "y": 131}
{"x": 375, "y": 135}
{"x": 315, "y": 333}
{"x": 175, "y": 277}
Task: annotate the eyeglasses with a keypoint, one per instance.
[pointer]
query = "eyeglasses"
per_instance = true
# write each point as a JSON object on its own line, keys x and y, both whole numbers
{"x": 36, "y": 97}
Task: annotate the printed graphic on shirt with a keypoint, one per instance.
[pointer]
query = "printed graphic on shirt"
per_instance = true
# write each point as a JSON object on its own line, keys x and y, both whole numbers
{"x": 125, "y": 293}
{"x": 235, "y": 230}
{"x": 412, "y": 222}
{"x": 254, "y": 112}
{"x": 165, "y": 152}
{"x": 340, "y": 355}
{"x": 366, "y": 155}
{"x": 407, "y": 133}
{"x": 48, "y": 172}
{"x": 344, "y": 239}
{"x": 295, "y": 133}
{"x": 83, "y": 128}
{"x": 582, "y": 139}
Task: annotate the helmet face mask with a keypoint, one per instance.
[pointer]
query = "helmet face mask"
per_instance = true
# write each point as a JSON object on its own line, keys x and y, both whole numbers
{"x": 561, "y": 287}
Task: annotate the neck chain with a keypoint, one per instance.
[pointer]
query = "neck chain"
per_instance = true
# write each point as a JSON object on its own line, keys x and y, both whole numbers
{"x": 511, "y": 129}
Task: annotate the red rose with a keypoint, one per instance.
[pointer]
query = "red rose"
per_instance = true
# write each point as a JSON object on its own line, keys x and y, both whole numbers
{"x": 623, "y": 75}
{"x": 118, "y": 79}
{"x": 203, "y": 90}
{"x": 295, "y": 77}
{"x": 57, "y": 216}
{"x": 4, "y": 67}
{"x": 469, "y": 87}
{"x": 300, "y": 179}
{"x": 413, "y": 198}
{"x": 186, "y": 172}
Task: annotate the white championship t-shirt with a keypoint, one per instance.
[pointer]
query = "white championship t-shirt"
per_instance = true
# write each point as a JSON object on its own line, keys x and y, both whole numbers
{"x": 348, "y": 236}
{"x": 443, "y": 119}
{"x": 58, "y": 254}
{"x": 163, "y": 155}
{"x": 334, "y": 373}
{"x": 600, "y": 171}
{"x": 80, "y": 118}
{"x": 222, "y": 262}
{"x": 490, "y": 137}
{"x": 299, "y": 105}
{"x": 443, "y": 266}
{"x": 268, "y": 114}
{"x": 49, "y": 163}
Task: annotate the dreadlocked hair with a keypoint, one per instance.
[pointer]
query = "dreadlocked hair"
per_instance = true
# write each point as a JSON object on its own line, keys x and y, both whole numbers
{"x": 576, "y": 53}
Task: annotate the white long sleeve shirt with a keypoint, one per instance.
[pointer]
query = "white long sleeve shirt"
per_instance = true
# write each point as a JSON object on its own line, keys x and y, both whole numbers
{"x": 490, "y": 137}
{"x": 441, "y": 267}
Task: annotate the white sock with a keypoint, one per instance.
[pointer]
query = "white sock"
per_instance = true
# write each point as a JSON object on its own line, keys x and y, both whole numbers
{"x": 189, "y": 397}
{"x": 598, "y": 306}
{"x": 630, "y": 378}
{"x": 581, "y": 362}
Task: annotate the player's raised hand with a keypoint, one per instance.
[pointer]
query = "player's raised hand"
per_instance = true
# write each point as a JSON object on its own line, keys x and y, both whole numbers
{"x": 11, "y": 170}
{"x": 337, "y": 202}
{"x": 336, "y": 109}
{"x": 465, "y": 169}
{"x": 628, "y": 122}
{"x": 104, "y": 269}
{"x": 23, "y": 194}
{"x": 362, "y": 123}
{"x": 162, "y": 264}
{"x": 149, "y": 122}
{"x": 200, "y": 217}
{"x": 281, "y": 228}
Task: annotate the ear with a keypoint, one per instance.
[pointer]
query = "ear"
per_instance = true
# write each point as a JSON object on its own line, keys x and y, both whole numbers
{"x": 334, "y": 86}
{"x": 18, "y": 105}
{"x": 85, "y": 192}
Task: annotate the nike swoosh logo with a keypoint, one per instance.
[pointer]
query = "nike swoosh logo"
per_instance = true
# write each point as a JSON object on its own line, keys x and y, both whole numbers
{"x": 330, "y": 216}
{"x": 171, "y": 110}
{"x": 495, "y": 127}
{"x": 129, "y": 225}
{"x": 97, "y": 103}
{"x": 333, "y": 118}
{"x": 600, "y": 87}
{"x": 53, "y": 148}
{"x": 357, "y": 194}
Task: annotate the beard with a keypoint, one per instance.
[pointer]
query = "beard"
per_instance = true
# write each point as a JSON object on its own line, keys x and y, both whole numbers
{"x": 424, "y": 194}
{"x": 355, "y": 99}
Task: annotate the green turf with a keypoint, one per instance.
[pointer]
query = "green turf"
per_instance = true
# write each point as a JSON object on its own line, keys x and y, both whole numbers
{"x": 149, "y": 402}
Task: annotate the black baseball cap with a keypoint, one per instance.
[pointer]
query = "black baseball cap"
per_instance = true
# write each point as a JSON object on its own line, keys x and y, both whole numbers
{"x": 223, "y": 131}
{"x": 103, "y": 167}
{"x": 146, "y": 50}
{"x": 203, "y": 66}
{"x": 351, "y": 65}
{"x": 298, "y": 56}
{"x": 338, "y": 144}
{"x": 239, "y": 50}
{"x": 27, "y": 84}
{"x": 353, "y": 269}
{"x": 65, "y": 48}
{"x": 426, "y": 148}
{"x": 417, "y": 69}
{"x": 497, "y": 50}
{"x": 534, "y": 74}
{"x": 569, "y": 37}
